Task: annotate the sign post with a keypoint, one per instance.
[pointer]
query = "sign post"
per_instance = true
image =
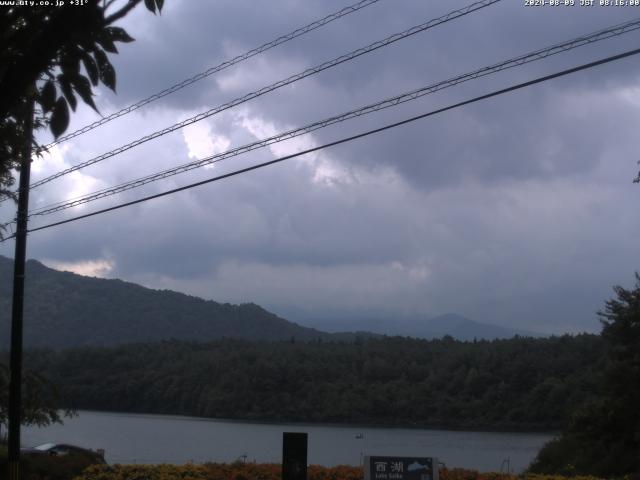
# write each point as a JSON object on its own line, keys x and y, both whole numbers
{"x": 17, "y": 305}
{"x": 400, "y": 468}
{"x": 294, "y": 456}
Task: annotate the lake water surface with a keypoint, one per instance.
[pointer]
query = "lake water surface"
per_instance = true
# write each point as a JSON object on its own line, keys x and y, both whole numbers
{"x": 134, "y": 438}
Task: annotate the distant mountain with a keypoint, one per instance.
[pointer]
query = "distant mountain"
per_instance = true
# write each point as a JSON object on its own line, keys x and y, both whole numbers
{"x": 63, "y": 309}
{"x": 462, "y": 328}
{"x": 457, "y": 326}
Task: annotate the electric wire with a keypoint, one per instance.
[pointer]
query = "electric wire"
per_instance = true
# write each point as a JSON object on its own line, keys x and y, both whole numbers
{"x": 287, "y": 81}
{"x": 210, "y": 71}
{"x": 344, "y": 140}
{"x": 539, "y": 54}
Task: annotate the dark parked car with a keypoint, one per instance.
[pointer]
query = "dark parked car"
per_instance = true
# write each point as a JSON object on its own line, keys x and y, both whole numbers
{"x": 62, "y": 450}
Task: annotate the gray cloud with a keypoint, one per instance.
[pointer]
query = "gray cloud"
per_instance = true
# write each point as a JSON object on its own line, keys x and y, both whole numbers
{"x": 517, "y": 210}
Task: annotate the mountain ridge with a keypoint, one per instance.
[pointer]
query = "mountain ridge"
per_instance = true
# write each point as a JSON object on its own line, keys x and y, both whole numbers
{"x": 64, "y": 309}
{"x": 418, "y": 326}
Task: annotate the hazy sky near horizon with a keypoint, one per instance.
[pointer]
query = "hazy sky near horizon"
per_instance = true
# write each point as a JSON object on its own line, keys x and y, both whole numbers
{"x": 519, "y": 210}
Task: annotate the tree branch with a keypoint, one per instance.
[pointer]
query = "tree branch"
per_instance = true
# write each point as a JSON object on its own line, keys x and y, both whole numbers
{"x": 122, "y": 12}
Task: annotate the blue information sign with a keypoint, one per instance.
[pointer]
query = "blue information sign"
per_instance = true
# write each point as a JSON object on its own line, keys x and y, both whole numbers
{"x": 400, "y": 468}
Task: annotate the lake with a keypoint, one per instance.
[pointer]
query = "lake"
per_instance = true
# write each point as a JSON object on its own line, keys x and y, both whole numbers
{"x": 136, "y": 438}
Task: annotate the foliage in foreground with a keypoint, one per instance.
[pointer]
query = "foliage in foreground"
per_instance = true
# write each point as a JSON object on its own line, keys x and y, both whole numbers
{"x": 44, "y": 51}
{"x": 253, "y": 471}
{"x": 46, "y": 467}
{"x": 603, "y": 435}
{"x": 40, "y": 401}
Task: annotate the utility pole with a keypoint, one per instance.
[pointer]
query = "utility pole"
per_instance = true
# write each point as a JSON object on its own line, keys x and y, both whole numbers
{"x": 15, "y": 362}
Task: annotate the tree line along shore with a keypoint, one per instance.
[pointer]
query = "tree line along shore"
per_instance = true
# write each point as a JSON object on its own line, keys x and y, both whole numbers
{"x": 520, "y": 384}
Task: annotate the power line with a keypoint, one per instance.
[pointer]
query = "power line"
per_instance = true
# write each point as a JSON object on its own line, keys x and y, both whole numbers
{"x": 347, "y": 139}
{"x": 226, "y": 64}
{"x": 389, "y": 102}
{"x": 287, "y": 81}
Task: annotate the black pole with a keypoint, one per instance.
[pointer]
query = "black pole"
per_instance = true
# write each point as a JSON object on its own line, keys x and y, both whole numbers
{"x": 15, "y": 365}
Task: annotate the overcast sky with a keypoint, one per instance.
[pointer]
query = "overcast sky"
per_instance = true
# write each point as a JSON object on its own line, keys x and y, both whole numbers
{"x": 519, "y": 210}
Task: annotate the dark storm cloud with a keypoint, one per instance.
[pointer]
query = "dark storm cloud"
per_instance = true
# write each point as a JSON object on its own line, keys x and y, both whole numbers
{"x": 430, "y": 56}
{"x": 517, "y": 210}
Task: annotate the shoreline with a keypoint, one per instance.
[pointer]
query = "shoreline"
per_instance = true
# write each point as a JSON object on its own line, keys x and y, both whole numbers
{"x": 293, "y": 423}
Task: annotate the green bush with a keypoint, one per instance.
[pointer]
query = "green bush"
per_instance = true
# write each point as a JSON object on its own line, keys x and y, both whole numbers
{"x": 47, "y": 467}
{"x": 556, "y": 457}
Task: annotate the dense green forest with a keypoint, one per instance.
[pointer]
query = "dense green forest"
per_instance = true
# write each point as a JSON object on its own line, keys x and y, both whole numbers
{"x": 520, "y": 384}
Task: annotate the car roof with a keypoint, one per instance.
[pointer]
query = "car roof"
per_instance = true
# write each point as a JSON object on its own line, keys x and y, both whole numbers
{"x": 50, "y": 446}
{"x": 45, "y": 446}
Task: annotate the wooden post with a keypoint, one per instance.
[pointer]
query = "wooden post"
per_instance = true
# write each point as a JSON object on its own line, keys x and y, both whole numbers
{"x": 17, "y": 306}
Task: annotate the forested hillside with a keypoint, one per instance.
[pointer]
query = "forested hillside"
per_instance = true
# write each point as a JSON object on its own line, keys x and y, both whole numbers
{"x": 63, "y": 309}
{"x": 521, "y": 383}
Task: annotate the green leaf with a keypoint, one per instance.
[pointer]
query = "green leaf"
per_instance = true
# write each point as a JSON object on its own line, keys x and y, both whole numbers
{"x": 59, "y": 117}
{"x": 82, "y": 86}
{"x": 101, "y": 59}
{"x": 160, "y": 4}
{"x": 65, "y": 86}
{"x": 91, "y": 68}
{"x": 105, "y": 69}
{"x": 118, "y": 34}
{"x": 151, "y": 5}
{"x": 108, "y": 76}
{"x": 48, "y": 96}
{"x": 106, "y": 43}
{"x": 69, "y": 63}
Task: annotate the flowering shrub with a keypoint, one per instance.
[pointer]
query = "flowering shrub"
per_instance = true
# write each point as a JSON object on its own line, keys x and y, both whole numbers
{"x": 144, "y": 472}
{"x": 270, "y": 471}
{"x": 463, "y": 474}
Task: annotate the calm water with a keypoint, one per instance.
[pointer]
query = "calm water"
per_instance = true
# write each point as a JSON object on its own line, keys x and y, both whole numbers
{"x": 132, "y": 438}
